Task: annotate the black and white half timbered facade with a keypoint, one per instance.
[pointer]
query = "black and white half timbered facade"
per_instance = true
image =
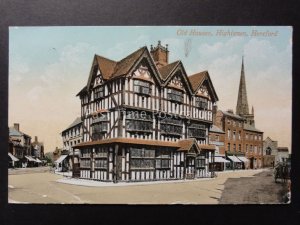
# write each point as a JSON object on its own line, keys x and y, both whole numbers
{"x": 145, "y": 119}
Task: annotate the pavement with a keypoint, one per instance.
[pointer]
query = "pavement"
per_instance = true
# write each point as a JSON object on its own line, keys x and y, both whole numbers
{"x": 47, "y": 187}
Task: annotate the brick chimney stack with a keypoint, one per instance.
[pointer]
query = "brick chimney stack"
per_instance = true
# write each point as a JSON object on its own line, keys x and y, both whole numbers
{"x": 17, "y": 126}
{"x": 35, "y": 139}
{"x": 160, "y": 54}
{"x": 214, "y": 113}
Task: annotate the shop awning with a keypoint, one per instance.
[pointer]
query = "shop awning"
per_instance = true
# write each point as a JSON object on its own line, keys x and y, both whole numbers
{"x": 234, "y": 159}
{"x": 221, "y": 160}
{"x": 243, "y": 159}
{"x": 61, "y": 158}
{"x": 38, "y": 160}
{"x": 13, "y": 158}
{"x": 30, "y": 158}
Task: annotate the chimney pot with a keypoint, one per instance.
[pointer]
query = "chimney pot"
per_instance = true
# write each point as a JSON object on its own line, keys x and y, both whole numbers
{"x": 17, "y": 126}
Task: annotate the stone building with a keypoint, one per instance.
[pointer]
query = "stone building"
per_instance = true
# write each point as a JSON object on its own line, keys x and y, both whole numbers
{"x": 272, "y": 154}
{"x": 282, "y": 154}
{"x": 37, "y": 148}
{"x": 243, "y": 141}
{"x": 145, "y": 119}
{"x": 72, "y": 136}
{"x": 20, "y": 147}
{"x": 217, "y": 138}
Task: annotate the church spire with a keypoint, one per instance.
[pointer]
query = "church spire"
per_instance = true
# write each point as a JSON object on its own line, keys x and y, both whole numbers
{"x": 242, "y": 107}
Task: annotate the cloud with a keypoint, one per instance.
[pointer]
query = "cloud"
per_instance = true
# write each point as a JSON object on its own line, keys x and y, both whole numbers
{"x": 19, "y": 70}
{"x": 34, "y": 94}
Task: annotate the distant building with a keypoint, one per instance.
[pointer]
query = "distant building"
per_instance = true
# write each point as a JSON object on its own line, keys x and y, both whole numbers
{"x": 282, "y": 154}
{"x": 20, "y": 147}
{"x": 71, "y": 136}
{"x": 269, "y": 152}
{"x": 37, "y": 148}
{"x": 243, "y": 141}
{"x": 217, "y": 138}
{"x": 272, "y": 154}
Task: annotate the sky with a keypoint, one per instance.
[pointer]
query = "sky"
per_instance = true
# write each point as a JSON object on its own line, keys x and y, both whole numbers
{"x": 48, "y": 66}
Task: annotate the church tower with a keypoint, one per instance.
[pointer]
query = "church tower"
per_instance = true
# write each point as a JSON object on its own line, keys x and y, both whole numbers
{"x": 242, "y": 107}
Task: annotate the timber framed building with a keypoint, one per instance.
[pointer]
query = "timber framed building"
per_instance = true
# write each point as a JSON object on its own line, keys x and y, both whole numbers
{"x": 145, "y": 119}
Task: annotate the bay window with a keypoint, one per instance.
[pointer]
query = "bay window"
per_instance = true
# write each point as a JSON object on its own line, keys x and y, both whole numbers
{"x": 174, "y": 95}
{"x": 142, "y": 87}
{"x": 201, "y": 103}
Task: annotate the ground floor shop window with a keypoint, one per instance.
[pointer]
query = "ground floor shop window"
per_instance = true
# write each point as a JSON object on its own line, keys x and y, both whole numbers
{"x": 200, "y": 161}
{"x": 86, "y": 163}
{"x": 101, "y": 163}
{"x": 142, "y": 158}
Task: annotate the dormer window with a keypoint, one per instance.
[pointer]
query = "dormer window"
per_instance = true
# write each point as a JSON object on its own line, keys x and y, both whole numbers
{"x": 201, "y": 103}
{"x": 99, "y": 92}
{"x": 175, "y": 95}
{"x": 142, "y": 87}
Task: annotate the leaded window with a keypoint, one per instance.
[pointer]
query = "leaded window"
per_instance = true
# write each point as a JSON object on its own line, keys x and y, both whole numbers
{"x": 101, "y": 163}
{"x": 85, "y": 163}
{"x": 200, "y": 161}
{"x": 99, "y": 92}
{"x": 201, "y": 103}
{"x": 100, "y": 127}
{"x": 142, "y": 87}
{"x": 142, "y": 158}
{"x": 197, "y": 131}
{"x": 86, "y": 153}
{"x": 138, "y": 121}
{"x": 175, "y": 95}
{"x": 163, "y": 159}
{"x": 170, "y": 126}
{"x": 101, "y": 152}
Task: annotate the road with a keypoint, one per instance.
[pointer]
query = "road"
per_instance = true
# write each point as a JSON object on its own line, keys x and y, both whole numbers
{"x": 37, "y": 187}
{"x": 258, "y": 189}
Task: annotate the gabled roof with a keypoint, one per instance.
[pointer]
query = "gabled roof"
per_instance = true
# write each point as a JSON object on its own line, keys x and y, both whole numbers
{"x": 216, "y": 129}
{"x": 123, "y": 66}
{"x": 269, "y": 139}
{"x": 251, "y": 128}
{"x": 112, "y": 69}
{"x": 83, "y": 90}
{"x": 14, "y": 132}
{"x": 74, "y": 123}
{"x": 106, "y": 66}
{"x": 233, "y": 115}
{"x": 186, "y": 144}
{"x": 198, "y": 79}
{"x": 166, "y": 70}
{"x": 178, "y": 66}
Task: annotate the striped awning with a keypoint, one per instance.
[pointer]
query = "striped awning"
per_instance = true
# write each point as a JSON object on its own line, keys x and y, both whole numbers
{"x": 234, "y": 159}
{"x": 13, "y": 158}
{"x": 221, "y": 160}
{"x": 61, "y": 158}
{"x": 30, "y": 158}
{"x": 243, "y": 159}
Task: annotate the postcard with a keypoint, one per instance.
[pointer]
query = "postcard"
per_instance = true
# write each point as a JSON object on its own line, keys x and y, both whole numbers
{"x": 150, "y": 115}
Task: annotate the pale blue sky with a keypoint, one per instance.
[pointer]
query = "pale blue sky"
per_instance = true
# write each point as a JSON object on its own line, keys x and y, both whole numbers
{"x": 51, "y": 64}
